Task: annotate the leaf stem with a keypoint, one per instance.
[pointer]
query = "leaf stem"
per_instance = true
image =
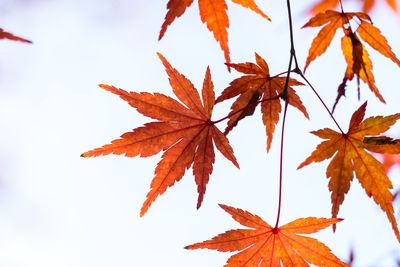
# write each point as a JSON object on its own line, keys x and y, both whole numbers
{"x": 281, "y": 167}
{"x": 322, "y": 101}
{"x": 285, "y": 96}
{"x": 341, "y": 6}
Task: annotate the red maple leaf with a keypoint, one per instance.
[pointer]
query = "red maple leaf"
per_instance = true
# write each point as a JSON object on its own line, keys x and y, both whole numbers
{"x": 184, "y": 131}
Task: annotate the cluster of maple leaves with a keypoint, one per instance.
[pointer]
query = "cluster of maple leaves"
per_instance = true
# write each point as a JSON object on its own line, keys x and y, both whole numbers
{"x": 188, "y": 136}
{"x": 186, "y": 133}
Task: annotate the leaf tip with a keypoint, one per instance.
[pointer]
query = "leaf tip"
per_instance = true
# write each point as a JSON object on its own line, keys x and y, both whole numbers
{"x": 83, "y": 155}
{"x": 224, "y": 207}
{"x": 103, "y": 86}
{"x": 160, "y": 56}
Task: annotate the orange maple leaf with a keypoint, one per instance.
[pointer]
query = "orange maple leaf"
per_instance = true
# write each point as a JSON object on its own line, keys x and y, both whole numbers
{"x": 264, "y": 245}
{"x": 358, "y": 62}
{"x": 349, "y": 156}
{"x": 213, "y": 13}
{"x": 186, "y": 132}
{"x": 367, "y": 5}
{"x": 10, "y": 36}
{"x": 256, "y": 85}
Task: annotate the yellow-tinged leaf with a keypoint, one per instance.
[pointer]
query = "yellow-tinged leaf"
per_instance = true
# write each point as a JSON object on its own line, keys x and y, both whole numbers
{"x": 350, "y": 155}
{"x": 185, "y": 133}
{"x": 263, "y": 245}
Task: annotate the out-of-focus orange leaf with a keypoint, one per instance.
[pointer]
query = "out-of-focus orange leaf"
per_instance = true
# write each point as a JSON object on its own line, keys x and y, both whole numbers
{"x": 10, "y": 36}
{"x": 322, "y": 6}
{"x": 358, "y": 62}
{"x": 367, "y": 5}
{"x": 213, "y": 13}
{"x": 350, "y": 155}
{"x": 390, "y": 160}
{"x": 184, "y": 131}
{"x": 259, "y": 85}
{"x": 263, "y": 245}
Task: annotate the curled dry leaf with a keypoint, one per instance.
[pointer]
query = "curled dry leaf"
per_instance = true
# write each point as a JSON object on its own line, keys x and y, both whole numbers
{"x": 184, "y": 131}
{"x": 265, "y": 246}
{"x": 350, "y": 155}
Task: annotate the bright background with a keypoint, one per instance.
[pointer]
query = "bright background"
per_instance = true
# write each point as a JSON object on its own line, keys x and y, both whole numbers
{"x": 58, "y": 209}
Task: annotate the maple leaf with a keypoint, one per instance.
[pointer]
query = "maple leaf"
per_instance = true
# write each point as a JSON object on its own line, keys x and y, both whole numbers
{"x": 264, "y": 245}
{"x": 213, "y": 13}
{"x": 186, "y": 132}
{"x": 256, "y": 85}
{"x": 10, "y": 36}
{"x": 367, "y": 5}
{"x": 358, "y": 62}
{"x": 350, "y": 155}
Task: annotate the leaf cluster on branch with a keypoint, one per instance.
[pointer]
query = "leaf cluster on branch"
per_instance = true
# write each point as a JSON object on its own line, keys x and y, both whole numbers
{"x": 187, "y": 135}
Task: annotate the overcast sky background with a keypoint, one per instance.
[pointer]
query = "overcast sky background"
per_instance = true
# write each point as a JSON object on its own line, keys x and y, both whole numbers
{"x": 58, "y": 209}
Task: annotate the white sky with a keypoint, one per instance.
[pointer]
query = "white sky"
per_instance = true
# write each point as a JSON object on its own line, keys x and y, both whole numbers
{"x": 57, "y": 209}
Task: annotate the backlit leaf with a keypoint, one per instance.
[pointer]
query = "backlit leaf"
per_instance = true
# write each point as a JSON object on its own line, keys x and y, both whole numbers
{"x": 185, "y": 132}
{"x": 263, "y": 245}
{"x": 350, "y": 155}
{"x": 357, "y": 58}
